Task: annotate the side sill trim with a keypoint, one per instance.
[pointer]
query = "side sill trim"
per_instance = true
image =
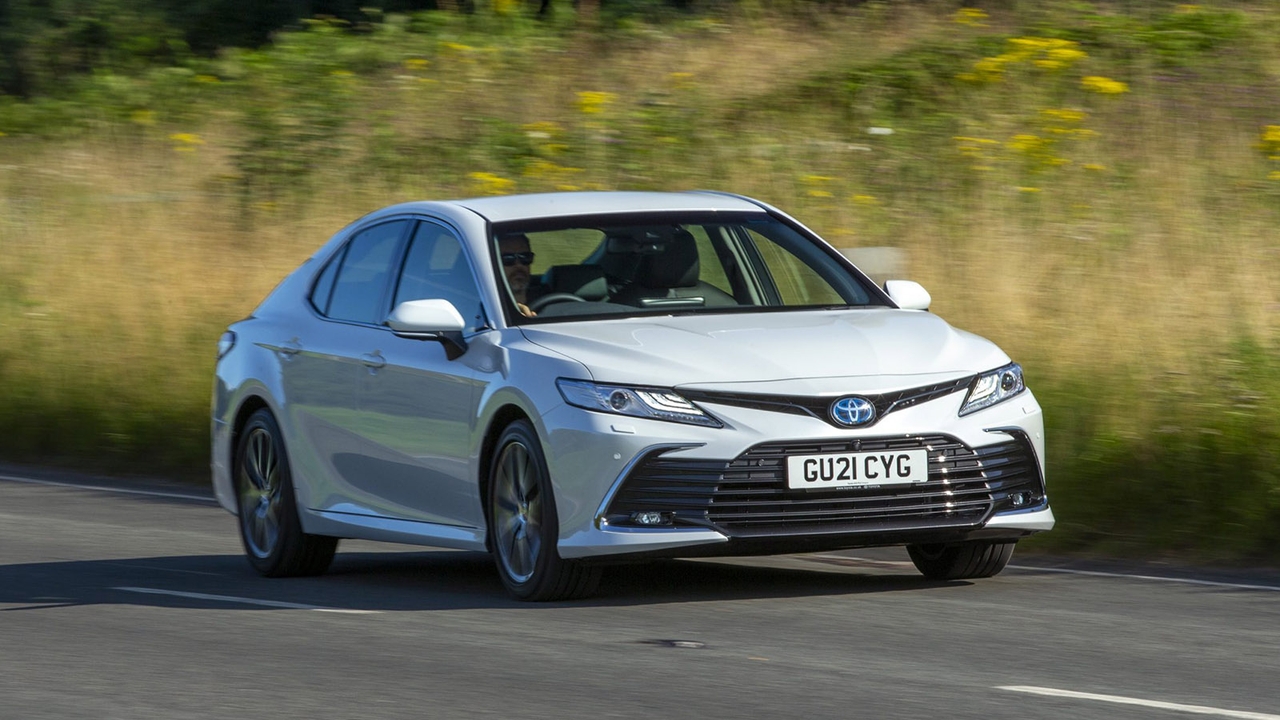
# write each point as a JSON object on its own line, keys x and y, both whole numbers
{"x": 373, "y": 527}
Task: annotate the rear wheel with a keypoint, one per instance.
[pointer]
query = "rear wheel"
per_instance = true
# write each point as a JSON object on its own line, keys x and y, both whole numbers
{"x": 523, "y": 526}
{"x": 961, "y": 561}
{"x": 270, "y": 530}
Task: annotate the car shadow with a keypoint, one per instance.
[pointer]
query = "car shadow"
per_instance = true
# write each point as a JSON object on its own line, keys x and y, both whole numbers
{"x": 419, "y": 581}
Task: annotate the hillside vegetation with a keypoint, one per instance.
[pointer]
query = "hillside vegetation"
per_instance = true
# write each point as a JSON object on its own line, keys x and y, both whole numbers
{"x": 1094, "y": 186}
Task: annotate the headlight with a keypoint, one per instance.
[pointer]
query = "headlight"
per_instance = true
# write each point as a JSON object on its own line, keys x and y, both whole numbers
{"x": 225, "y": 343}
{"x": 654, "y": 403}
{"x": 993, "y": 387}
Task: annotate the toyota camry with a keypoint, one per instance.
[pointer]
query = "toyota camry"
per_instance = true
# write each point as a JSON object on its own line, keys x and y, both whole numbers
{"x": 570, "y": 380}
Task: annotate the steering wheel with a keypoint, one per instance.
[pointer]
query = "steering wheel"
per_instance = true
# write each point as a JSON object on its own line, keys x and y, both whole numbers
{"x": 552, "y": 298}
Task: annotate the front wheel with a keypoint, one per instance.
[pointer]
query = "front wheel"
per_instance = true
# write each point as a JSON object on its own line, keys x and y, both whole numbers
{"x": 523, "y": 527}
{"x": 961, "y": 561}
{"x": 270, "y": 530}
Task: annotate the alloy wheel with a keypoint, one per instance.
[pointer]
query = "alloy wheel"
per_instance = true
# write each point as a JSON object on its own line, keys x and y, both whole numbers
{"x": 260, "y": 493}
{"x": 517, "y": 512}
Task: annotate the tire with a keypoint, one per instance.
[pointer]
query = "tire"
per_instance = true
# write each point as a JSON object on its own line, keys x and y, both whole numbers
{"x": 270, "y": 531}
{"x": 961, "y": 561}
{"x": 523, "y": 526}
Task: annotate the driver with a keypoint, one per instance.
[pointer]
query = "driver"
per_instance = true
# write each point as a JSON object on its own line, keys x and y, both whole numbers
{"x": 514, "y": 249}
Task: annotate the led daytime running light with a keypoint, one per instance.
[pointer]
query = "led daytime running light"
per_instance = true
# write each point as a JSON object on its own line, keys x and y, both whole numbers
{"x": 653, "y": 403}
{"x": 993, "y": 388}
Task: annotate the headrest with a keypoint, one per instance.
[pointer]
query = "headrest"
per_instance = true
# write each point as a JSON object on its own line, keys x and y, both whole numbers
{"x": 585, "y": 281}
{"x": 675, "y": 265}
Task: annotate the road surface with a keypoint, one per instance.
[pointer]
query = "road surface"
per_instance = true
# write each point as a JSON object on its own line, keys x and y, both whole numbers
{"x": 133, "y": 601}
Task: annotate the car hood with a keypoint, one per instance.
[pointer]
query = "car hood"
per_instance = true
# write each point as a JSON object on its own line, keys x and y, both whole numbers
{"x": 773, "y": 352}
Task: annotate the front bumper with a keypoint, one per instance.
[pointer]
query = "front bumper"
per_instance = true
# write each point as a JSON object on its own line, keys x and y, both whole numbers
{"x": 623, "y": 543}
{"x": 594, "y": 518}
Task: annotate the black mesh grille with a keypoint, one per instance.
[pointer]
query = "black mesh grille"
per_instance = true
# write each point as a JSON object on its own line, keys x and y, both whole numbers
{"x": 749, "y": 495}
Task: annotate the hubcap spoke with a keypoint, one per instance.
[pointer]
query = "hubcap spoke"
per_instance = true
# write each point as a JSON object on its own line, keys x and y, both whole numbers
{"x": 260, "y": 493}
{"x": 517, "y": 512}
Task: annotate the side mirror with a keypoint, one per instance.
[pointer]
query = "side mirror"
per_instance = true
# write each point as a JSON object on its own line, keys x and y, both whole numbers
{"x": 430, "y": 320}
{"x": 908, "y": 295}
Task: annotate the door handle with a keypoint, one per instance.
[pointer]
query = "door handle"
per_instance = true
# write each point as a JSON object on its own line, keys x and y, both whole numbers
{"x": 373, "y": 360}
{"x": 290, "y": 348}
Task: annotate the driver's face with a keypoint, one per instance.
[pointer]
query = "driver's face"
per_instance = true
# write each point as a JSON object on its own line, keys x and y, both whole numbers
{"x": 518, "y": 273}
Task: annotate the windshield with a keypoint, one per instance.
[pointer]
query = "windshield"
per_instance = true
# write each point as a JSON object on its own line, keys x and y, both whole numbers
{"x": 577, "y": 268}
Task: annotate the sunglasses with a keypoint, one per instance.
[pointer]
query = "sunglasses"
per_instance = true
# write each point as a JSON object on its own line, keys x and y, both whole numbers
{"x": 520, "y": 258}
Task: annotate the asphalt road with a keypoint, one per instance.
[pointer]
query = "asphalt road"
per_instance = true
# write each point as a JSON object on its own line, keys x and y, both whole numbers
{"x": 138, "y": 604}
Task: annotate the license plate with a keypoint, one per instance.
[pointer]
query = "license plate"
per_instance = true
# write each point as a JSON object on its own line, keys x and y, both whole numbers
{"x": 820, "y": 472}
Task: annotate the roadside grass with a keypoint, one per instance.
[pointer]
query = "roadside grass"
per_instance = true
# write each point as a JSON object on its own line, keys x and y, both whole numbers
{"x": 1089, "y": 185}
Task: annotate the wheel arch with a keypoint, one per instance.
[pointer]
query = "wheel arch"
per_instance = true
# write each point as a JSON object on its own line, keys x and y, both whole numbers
{"x": 248, "y": 405}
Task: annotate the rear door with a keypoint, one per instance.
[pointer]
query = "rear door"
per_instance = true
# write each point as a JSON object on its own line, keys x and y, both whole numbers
{"x": 328, "y": 366}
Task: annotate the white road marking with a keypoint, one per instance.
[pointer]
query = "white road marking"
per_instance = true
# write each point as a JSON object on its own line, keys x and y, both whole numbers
{"x": 1121, "y": 700}
{"x": 172, "y": 570}
{"x": 104, "y": 488}
{"x": 1069, "y": 571}
{"x": 245, "y": 601}
{"x": 1184, "y": 581}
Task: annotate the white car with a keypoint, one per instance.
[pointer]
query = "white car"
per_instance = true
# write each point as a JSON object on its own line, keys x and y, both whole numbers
{"x": 677, "y": 375}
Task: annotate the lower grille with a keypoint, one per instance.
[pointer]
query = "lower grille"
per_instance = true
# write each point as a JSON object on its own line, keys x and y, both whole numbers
{"x": 748, "y": 496}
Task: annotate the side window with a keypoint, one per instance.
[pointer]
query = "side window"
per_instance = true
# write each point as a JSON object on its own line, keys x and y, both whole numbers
{"x": 712, "y": 270}
{"x": 435, "y": 267}
{"x": 361, "y": 284}
{"x": 324, "y": 284}
{"x": 797, "y": 283}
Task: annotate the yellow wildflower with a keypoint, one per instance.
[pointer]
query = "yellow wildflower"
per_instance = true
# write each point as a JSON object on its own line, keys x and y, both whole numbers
{"x": 592, "y": 102}
{"x": 143, "y": 117}
{"x": 1103, "y": 85}
{"x": 970, "y": 16}
{"x": 1094, "y": 167}
{"x": 486, "y": 183}
{"x": 1274, "y": 175}
{"x": 456, "y": 47}
{"x": 1030, "y": 189}
{"x": 1066, "y": 54}
{"x": 416, "y": 64}
{"x": 1270, "y": 143}
{"x": 542, "y": 129}
{"x": 210, "y": 79}
{"x": 865, "y": 200}
{"x": 186, "y": 142}
{"x": 1044, "y": 53}
{"x": 1065, "y": 115}
{"x": 539, "y": 168}
{"x": 1026, "y": 143}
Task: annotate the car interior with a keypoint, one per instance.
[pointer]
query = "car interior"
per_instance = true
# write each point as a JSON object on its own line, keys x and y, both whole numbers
{"x": 647, "y": 267}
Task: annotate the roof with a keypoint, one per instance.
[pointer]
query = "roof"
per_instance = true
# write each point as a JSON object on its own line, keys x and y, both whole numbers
{"x": 545, "y": 205}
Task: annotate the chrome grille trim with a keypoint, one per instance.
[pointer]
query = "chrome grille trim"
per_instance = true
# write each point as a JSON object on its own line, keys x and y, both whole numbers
{"x": 816, "y": 406}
